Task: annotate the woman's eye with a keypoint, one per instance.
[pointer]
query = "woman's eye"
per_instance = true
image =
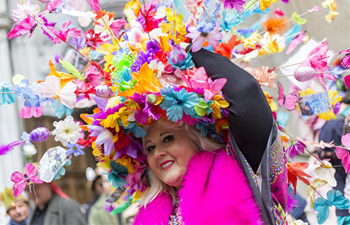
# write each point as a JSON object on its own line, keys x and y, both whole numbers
{"x": 168, "y": 138}
{"x": 150, "y": 148}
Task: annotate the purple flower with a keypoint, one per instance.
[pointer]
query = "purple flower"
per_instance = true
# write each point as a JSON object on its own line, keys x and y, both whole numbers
{"x": 146, "y": 108}
{"x": 296, "y": 149}
{"x": 135, "y": 181}
{"x": 75, "y": 149}
{"x": 336, "y": 108}
{"x": 152, "y": 46}
{"x": 104, "y": 137}
{"x": 142, "y": 58}
{"x": 179, "y": 59}
{"x": 237, "y": 4}
{"x": 205, "y": 31}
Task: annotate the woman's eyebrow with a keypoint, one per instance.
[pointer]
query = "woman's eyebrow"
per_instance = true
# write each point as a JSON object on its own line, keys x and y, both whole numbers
{"x": 164, "y": 133}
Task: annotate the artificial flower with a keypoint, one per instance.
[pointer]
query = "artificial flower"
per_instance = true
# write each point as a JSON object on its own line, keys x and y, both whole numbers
{"x": 23, "y": 27}
{"x": 295, "y": 171}
{"x": 112, "y": 120}
{"x": 146, "y": 109}
{"x": 179, "y": 58}
{"x": 117, "y": 175}
{"x": 264, "y": 76}
{"x": 272, "y": 43}
{"x": 178, "y": 102}
{"x": 75, "y": 149}
{"x": 65, "y": 31}
{"x": 103, "y": 27}
{"x": 174, "y": 24}
{"x": 103, "y": 138}
{"x": 205, "y": 31}
{"x": 252, "y": 41}
{"x": 29, "y": 112}
{"x": 25, "y": 9}
{"x": 330, "y": 16}
{"x": 203, "y": 107}
{"x": 326, "y": 172}
{"x": 275, "y": 25}
{"x": 67, "y": 131}
{"x": 264, "y": 4}
{"x": 296, "y": 149}
{"x": 218, "y": 103}
{"x": 135, "y": 179}
{"x": 237, "y": 4}
{"x": 226, "y": 49}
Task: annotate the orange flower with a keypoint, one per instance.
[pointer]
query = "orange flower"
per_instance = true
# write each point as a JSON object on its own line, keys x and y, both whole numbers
{"x": 295, "y": 171}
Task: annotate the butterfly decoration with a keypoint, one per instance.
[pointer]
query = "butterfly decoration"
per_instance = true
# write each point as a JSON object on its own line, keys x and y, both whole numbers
{"x": 295, "y": 42}
{"x": 334, "y": 198}
{"x": 289, "y": 101}
{"x": 311, "y": 189}
{"x": 50, "y": 88}
{"x": 343, "y": 154}
{"x": 20, "y": 180}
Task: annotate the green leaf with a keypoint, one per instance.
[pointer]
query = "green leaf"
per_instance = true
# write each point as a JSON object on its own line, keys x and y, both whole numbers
{"x": 297, "y": 19}
{"x": 71, "y": 69}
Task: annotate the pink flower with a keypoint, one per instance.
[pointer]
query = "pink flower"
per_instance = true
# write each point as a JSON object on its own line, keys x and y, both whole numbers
{"x": 23, "y": 27}
{"x": 205, "y": 31}
{"x": 296, "y": 149}
{"x": 62, "y": 34}
{"x": 135, "y": 180}
{"x": 237, "y": 4}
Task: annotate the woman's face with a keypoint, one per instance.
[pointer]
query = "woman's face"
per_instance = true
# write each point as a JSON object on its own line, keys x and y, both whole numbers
{"x": 168, "y": 153}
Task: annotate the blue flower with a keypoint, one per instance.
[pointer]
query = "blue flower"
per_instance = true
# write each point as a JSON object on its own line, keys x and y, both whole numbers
{"x": 26, "y": 92}
{"x": 178, "y": 102}
{"x": 134, "y": 129}
{"x": 179, "y": 59}
{"x": 61, "y": 110}
{"x": 75, "y": 149}
{"x": 6, "y": 95}
{"x": 117, "y": 175}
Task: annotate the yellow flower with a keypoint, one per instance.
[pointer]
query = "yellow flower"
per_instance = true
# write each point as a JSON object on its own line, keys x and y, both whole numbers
{"x": 134, "y": 5}
{"x": 175, "y": 24}
{"x": 112, "y": 120}
{"x": 138, "y": 195}
{"x": 333, "y": 99}
{"x": 272, "y": 104}
{"x": 112, "y": 102}
{"x": 127, "y": 162}
{"x": 331, "y": 15}
{"x": 264, "y": 4}
{"x": 218, "y": 103}
{"x": 96, "y": 150}
{"x": 331, "y": 4}
{"x": 311, "y": 190}
{"x": 251, "y": 41}
{"x": 104, "y": 162}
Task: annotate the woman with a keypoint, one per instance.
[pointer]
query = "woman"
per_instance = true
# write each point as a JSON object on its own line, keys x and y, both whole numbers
{"x": 194, "y": 180}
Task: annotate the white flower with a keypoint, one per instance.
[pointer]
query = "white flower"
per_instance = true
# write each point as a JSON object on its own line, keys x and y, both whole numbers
{"x": 159, "y": 66}
{"x": 103, "y": 26}
{"x": 29, "y": 150}
{"x": 66, "y": 131}
{"x": 24, "y": 9}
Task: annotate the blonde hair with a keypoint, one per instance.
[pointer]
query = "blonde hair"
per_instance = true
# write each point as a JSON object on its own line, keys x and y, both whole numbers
{"x": 197, "y": 141}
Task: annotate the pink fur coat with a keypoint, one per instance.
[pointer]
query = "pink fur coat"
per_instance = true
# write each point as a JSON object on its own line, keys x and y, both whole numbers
{"x": 215, "y": 191}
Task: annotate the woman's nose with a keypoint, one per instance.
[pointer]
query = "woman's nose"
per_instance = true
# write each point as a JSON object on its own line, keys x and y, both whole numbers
{"x": 160, "y": 152}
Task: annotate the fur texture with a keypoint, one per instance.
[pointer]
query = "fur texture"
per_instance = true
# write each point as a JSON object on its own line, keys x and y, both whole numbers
{"x": 215, "y": 191}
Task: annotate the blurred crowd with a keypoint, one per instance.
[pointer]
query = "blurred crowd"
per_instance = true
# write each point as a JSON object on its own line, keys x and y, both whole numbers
{"x": 46, "y": 204}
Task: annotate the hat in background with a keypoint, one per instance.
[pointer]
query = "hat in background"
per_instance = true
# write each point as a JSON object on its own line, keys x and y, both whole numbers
{"x": 8, "y": 199}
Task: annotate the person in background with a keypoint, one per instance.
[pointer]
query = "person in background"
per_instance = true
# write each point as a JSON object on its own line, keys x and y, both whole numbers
{"x": 98, "y": 214}
{"x": 52, "y": 206}
{"x": 97, "y": 189}
{"x": 333, "y": 130}
{"x": 16, "y": 208}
